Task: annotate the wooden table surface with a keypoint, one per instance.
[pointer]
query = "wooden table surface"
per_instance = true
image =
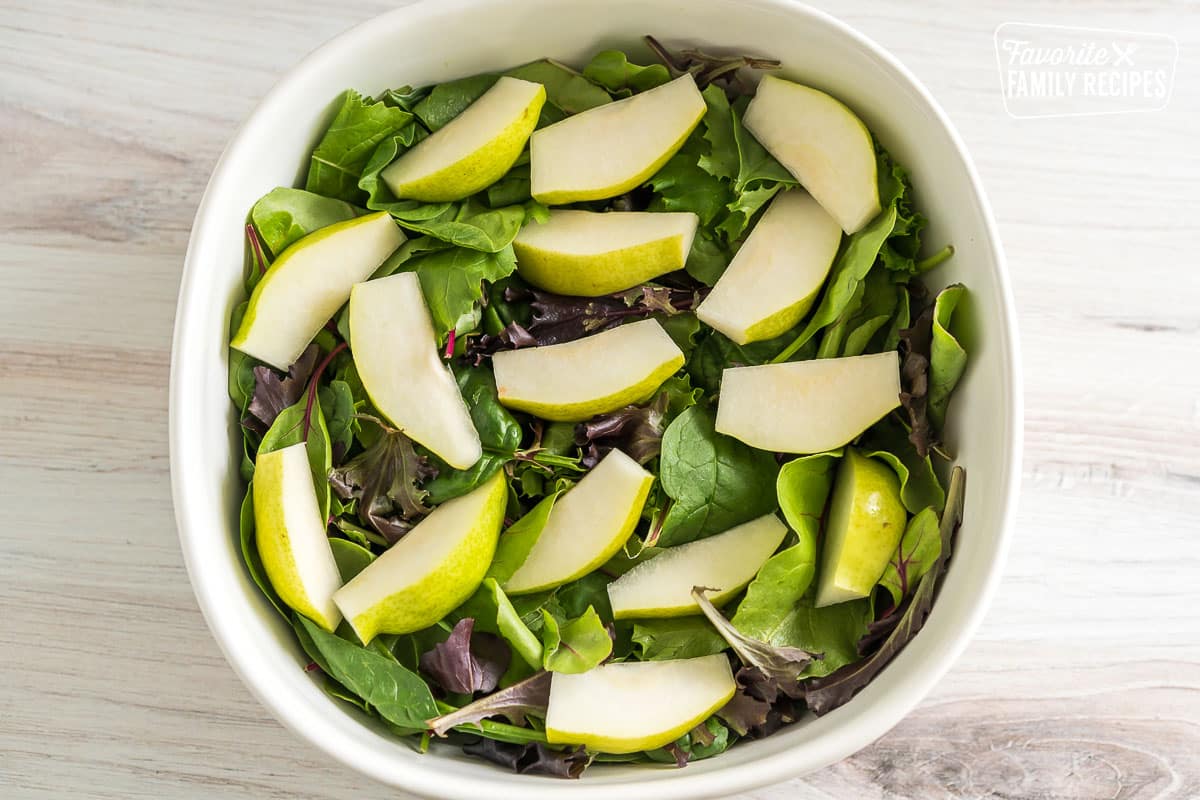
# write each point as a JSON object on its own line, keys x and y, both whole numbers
{"x": 1084, "y": 680}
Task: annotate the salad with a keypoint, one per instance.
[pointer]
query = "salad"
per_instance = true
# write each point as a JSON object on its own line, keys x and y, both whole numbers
{"x": 593, "y": 415}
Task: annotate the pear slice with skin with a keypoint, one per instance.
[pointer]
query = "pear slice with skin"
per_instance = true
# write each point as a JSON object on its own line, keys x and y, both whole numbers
{"x": 432, "y": 570}
{"x": 610, "y": 149}
{"x": 662, "y": 586}
{"x": 627, "y": 707}
{"x": 309, "y": 282}
{"x": 822, "y": 143}
{"x": 574, "y": 381}
{"x": 808, "y": 406}
{"x": 473, "y": 150}
{"x": 396, "y": 354}
{"x": 587, "y": 526}
{"x": 290, "y": 535}
{"x": 589, "y": 253}
{"x": 777, "y": 273}
{"x": 865, "y": 524}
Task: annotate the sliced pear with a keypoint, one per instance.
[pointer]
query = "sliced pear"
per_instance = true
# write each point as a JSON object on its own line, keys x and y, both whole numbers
{"x": 577, "y": 380}
{"x": 588, "y": 525}
{"x": 822, "y": 143}
{"x": 777, "y": 273}
{"x": 662, "y": 586}
{"x": 432, "y": 570}
{"x": 587, "y": 253}
{"x": 291, "y": 537}
{"x": 396, "y": 354}
{"x": 310, "y": 281}
{"x": 627, "y": 707}
{"x": 865, "y": 523}
{"x": 808, "y": 406}
{"x": 613, "y": 148}
{"x": 473, "y": 150}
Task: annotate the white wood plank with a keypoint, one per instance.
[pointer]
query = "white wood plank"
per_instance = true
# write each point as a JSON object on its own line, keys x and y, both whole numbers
{"x": 1084, "y": 681}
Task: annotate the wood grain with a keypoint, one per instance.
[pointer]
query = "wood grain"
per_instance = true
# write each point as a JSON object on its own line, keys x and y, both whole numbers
{"x": 1084, "y": 681}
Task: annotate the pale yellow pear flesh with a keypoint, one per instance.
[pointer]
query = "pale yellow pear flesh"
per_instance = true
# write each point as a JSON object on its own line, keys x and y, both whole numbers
{"x": 473, "y": 150}
{"x": 574, "y": 381}
{"x": 432, "y": 570}
{"x": 308, "y": 283}
{"x": 777, "y": 273}
{"x": 589, "y": 253}
{"x": 290, "y": 535}
{"x": 627, "y": 707}
{"x": 587, "y": 526}
{"x": 662, "y": 586}
{"x": 822, "y": 143}
{"x": 864, "y": 526}
{"x": 610, "y": 149}
{"x": 808, "y": 406}
{"x": 396, "y": 354}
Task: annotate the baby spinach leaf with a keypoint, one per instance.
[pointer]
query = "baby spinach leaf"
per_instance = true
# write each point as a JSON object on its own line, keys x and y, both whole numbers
{"x": 283, "y": 215}
{"x": 859, "y": 339}
{"x": 357, "y": 129}
{"x": 716, "y": 352}
{"x": 708, "y": 258}
{"x": 499, "y": 432}
{"x": 467, "y": 662}
{"x": 574, "y": 645}
{"x": 351, "y": 558}
{"x": 398, "y": 695}
{"x": 516, "y": 542}
{"x": 530, "y": 696}
{"x": 590, "y": 591}
{"x": 716, "y": 481}
{"x": 447, "y": 100}
{"x": 850, "y": 268}
{"x": 250, "y": 554}
{"x": 566, "y": 89}
{"x": 288, "y": 429}
{"x": 918, "y": 551}
{"x": 681, "y": 637}
{"x": 512, "y": 189}
{"x": 338, "y": 406}
{"x": 613, "y": 70}
{"x": 825, "y": 694}
{"x": 947, "y": 358}
{"x": 493, "y": 612}
{"x": 919, "y": 484}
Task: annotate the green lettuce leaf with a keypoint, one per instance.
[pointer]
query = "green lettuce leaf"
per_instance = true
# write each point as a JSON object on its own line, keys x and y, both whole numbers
{"x": 358, "y": 127}
{"x": 575, "y": 645}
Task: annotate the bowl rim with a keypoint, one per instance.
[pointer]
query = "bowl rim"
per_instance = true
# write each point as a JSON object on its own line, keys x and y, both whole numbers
{"x": 433, "y": 779}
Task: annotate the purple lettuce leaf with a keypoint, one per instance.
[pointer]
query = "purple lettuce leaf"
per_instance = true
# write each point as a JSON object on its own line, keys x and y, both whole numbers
{"x": 273, "y": 392}
{"x": 530, "y": 696}
{"x": 467, "y": 662}
{"x": 531, "y": 758}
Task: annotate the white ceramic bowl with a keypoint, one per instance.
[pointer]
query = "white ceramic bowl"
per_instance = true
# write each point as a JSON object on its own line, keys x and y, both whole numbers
{"x": 432, "y": 42}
